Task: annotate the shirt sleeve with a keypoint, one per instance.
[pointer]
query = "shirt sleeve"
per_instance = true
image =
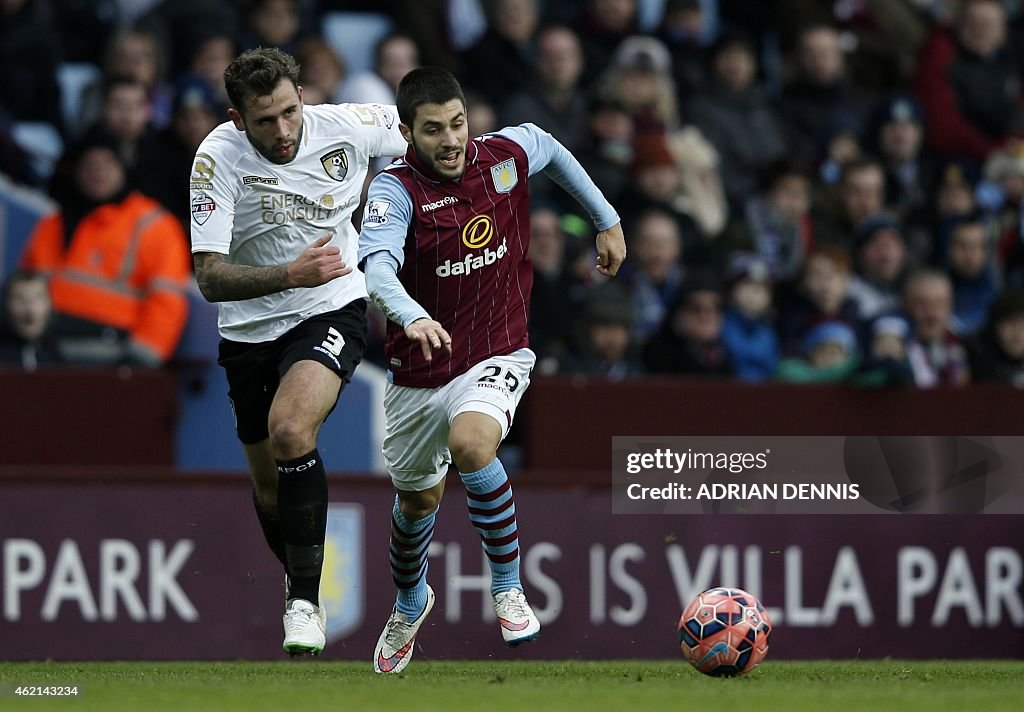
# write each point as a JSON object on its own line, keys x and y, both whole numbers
{"x": 212, "y": 196}
{"x": 545, "y": 153}
{"x": 386, "y": 219}
{"x": 387, "y": 292}
{"x": 381, "y": 121}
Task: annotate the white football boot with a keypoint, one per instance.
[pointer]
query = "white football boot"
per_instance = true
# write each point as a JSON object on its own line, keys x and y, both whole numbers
{"x": 305, "y": 628}
{"x": 518, "y": 623}
{"x": 398, "y": 639}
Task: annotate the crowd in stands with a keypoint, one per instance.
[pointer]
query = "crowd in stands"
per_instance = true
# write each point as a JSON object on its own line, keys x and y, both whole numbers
{"x": 811, "y": 192}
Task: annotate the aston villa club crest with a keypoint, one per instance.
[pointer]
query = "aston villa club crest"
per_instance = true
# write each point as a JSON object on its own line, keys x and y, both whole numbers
{"x": 504, "y": 176}
{"x": 342, "y": 583}
{"x": 336, "y": 164}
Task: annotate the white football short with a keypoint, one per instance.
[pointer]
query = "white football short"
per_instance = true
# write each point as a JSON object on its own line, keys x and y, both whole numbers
{"x": 418, "y": 419}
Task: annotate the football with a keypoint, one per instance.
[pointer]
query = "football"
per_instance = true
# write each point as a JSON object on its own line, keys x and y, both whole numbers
{"x": 724, "y": 632}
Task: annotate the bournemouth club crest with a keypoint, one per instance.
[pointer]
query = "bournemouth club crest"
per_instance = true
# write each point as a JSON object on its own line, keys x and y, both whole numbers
{"x": 336, "y": 164}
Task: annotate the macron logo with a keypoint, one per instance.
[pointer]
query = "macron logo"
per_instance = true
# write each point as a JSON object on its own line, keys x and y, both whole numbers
{"x": 472, "y": 262}
{"x": 446, "y": 200}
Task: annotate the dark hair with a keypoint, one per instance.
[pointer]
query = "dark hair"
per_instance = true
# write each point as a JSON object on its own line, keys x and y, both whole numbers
{"x": 17, "y": 277}
{"x": 426, "y": 85}
{"x": 115, "y": 81}
{"x": 257, "y": 72}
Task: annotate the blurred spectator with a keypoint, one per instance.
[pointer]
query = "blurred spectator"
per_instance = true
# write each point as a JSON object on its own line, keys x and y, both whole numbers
{"x": 654, "y": 273}
{"x": 690, "y": 339}
{"x": 118, "y": 265}
{"x": 482, "y": 118}
{"x": 322, "y": 72}
{"x": 605, "y": 23}
{"x": 553, "y": 99}
{"x": 640, "y": 77}
{"x": 608, "y": 152}
{"x": 953, "y": 197}
{"x": 820, "y": 103}
{"x": 972, "y": 271}
{"x": 124, "y": 116}
{"x": 502, "y": 63}
{"x": 30, "y": 51}
{"x": 735, "y": 115}
{"x": 881, "y": 263}
{"x": 555, "y": 304}
{"x": 997, "y": 354}
{"x": 683, "y": 28}
{"x": 657, "y": 184}
{"x": 606, "y": 346}
{"x": 138, "y": 55}
{"x": 823, "y": 294}
{"x": 937, "y": 355}
{"x": 396, "y": 55}
{"x": 702, "y": 194}
{"x": 828, "y": 354}
{"x": 1004, "y": 174}
{"x": 209, "y": 53}
{"x": 169, "y": 161}
{"x": 749, "y": 330}
{"x": 25, "y": 338}
{"x": 882, "y": 36}
{"x": 896, "y": 136}
{"x": 776, "y": 223}
{"x": 274, "y": 23}
{"x": 860, "y": 194}
{"x": 969, "y": 84}
{"x": 885, "y": 363}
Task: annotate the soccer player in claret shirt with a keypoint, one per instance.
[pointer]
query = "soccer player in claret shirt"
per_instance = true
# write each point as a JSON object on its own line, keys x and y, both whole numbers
{"x": 444, "y": 245}
{"x": 272, "y": 196}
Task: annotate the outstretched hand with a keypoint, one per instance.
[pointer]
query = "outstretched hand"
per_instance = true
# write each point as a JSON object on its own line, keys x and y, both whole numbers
{"x": 318, "y": 264}
{"x": 611, "y": 250}
{"x": 430, "y": 335}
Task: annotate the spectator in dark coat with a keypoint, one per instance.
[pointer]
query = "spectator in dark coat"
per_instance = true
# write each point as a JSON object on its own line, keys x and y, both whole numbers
{"x": 997, "y": 354}
{"x": 690, "y": 341}
{"x": 969, "y": 84}
{"x": 735, "y": 115}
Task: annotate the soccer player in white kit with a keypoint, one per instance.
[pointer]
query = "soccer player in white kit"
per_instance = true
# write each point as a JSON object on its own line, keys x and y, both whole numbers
{"x": 272, "y": 195}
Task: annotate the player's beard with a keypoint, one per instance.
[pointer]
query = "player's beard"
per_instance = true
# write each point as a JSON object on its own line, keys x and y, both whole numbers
{"x": 432, "y": 160}
{"x": 270, "y": 151}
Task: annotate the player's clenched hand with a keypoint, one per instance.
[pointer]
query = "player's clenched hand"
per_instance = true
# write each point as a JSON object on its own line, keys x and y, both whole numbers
{"x": 430, "y": 335}
{"x": 611, "y": 250}
{"x": 318, "y": 264}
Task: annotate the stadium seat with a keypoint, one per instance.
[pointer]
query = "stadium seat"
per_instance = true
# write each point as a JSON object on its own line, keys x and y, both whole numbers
{"x": 74, "y": 78}
{"x": 42, "y": 142}
{"x": 354, "y": 37}
{"x": 20, "y": 210}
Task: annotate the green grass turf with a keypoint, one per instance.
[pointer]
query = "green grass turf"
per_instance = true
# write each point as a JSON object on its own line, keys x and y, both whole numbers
{"x": 524, "y": 686}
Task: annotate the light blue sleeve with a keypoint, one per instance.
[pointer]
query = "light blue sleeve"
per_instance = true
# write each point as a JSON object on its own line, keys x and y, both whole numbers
{"x": 386, "y": 219}
{"x": 387, "y": 291}
{"x": 545, "y": 153}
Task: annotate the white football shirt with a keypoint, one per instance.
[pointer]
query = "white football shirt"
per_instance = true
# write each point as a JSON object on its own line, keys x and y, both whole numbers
{"x": 261, "y": 214}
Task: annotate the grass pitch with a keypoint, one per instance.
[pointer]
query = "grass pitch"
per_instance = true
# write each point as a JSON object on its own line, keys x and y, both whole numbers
{"x": 532, "y": 686}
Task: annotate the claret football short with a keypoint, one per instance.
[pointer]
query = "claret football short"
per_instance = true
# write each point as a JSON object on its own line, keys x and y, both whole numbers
{"x": 418, "y": 419}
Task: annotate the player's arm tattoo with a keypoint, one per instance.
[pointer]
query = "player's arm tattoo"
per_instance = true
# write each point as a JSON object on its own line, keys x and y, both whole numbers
{"x": 223, "y": 282}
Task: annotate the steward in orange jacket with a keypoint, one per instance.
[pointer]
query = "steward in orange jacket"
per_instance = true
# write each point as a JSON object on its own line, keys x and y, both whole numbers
{"x": 118, "y": 264}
